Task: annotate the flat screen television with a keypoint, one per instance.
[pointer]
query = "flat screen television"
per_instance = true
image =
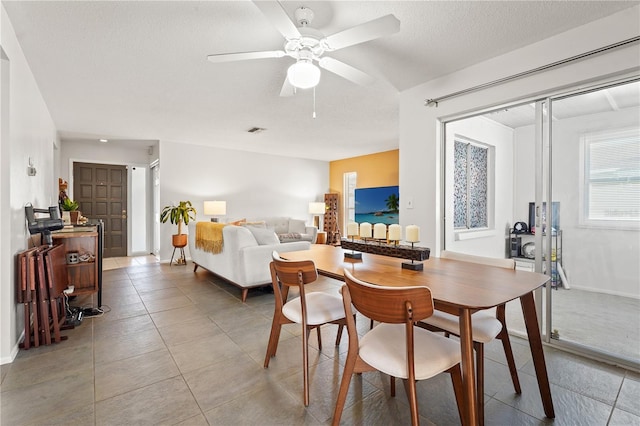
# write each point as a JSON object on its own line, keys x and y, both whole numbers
{"x": 377, "y": 205}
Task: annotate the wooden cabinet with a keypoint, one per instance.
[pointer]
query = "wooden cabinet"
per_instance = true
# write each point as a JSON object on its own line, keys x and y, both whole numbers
{"x": 83, "y": 274}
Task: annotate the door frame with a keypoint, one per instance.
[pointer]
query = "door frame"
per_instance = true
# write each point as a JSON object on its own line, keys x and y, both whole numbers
{"x": 129, "y": 194}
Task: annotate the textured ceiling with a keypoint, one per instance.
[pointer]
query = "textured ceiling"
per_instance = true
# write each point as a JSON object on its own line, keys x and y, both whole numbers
{"x": 138, "y": 70}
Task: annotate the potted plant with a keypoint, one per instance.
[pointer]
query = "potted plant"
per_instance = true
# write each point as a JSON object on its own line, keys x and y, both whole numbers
{"x": 182, "y": 213}
{"x": 71, "y": 206}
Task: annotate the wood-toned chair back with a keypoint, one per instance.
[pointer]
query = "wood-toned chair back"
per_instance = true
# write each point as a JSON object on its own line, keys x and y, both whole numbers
{"x": 491, "y": 261}
{"x": 389, "y": 304}
{"x": 294, "y": 273}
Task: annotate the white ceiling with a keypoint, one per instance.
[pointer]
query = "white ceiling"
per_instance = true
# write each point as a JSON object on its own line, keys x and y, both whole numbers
{"x": 138, "y": 70}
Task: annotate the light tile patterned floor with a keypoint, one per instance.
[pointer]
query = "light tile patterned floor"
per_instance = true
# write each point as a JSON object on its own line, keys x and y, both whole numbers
{"x": 178, "y": 347}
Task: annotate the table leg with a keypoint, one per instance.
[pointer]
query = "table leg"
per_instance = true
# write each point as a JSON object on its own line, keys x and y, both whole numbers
{"x": 468, "y": 370}
{"x": 535, "y": 343}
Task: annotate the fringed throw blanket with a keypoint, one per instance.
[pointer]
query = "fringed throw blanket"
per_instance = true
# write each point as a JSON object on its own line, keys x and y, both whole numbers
{"x": 209, "y": 236}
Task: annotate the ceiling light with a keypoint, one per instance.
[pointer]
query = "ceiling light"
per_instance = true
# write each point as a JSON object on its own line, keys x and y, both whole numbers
{"x": 303, "y": 74}
{"x": 104, "y": 140}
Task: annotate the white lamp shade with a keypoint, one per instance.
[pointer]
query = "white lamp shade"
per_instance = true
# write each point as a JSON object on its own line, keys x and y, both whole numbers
{"x": 213, "y": 208}
{"x": 316, "y": 208}
{"x": 303, "y": 74}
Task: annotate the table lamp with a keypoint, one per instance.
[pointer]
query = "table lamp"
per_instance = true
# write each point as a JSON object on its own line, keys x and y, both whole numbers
{"x": 316, "y": 209}
{"x": 215, "y": 208}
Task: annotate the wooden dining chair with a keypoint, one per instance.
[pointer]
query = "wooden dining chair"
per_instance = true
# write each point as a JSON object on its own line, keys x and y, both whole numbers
{"x": 395, "y": 346}
{"x": 486, "y": 324}
{"x": 310, "y": 309}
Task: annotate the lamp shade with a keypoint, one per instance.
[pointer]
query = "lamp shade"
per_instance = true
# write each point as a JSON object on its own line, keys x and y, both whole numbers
{"x": 212, "y": 208}
{"x": 303, "y": 74}
{"x": 316, "y": 208}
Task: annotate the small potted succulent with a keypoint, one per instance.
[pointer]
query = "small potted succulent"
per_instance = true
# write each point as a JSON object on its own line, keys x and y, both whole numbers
{"x": 68, "y": 205}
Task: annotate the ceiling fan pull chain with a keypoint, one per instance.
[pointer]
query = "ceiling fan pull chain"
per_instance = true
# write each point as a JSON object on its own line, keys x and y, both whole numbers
{"x": 314, "y": 102}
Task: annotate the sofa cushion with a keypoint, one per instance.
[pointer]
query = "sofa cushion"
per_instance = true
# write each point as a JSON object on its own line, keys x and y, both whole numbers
{"x": 264, "y": 236}
{"x": 297, "y": 225}
{"x": 257, "y": 224}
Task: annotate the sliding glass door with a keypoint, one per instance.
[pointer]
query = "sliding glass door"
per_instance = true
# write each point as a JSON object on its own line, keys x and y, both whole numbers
{"x": 566, "y": 170}
{"x": 595, "y": 157}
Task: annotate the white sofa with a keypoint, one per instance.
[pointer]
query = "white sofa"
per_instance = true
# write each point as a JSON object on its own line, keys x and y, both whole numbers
{"x": 287, "y": 229}
{"x": 244, "y": 261}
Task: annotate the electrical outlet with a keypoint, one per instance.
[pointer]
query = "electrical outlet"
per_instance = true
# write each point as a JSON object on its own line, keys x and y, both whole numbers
{"x": 410, "y": 203}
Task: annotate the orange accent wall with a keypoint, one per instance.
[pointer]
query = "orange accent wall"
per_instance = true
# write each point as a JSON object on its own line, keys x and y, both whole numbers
{"x": 380, "y": 169}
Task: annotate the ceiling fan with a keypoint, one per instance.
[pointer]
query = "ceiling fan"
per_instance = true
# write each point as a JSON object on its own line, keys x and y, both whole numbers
{"x": 307, "y": 45}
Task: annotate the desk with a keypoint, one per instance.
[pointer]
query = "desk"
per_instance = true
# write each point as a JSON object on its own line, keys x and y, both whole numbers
{"x": 460, "y": 288}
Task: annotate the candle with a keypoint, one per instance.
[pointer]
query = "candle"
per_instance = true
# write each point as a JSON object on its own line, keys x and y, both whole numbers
{"x": 365, "y": 230}
{"x": 395, "y": 232}
{"x": 380, "y": 231}
{"x": 412, "y": 233}
{"x": 352, "y": 229}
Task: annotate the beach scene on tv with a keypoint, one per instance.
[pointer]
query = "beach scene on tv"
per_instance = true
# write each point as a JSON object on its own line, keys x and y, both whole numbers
{"x": 377, "y": 205}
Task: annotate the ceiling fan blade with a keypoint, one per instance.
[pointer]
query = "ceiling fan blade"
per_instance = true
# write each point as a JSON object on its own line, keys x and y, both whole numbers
{"x": 287, "y": 89}
{"x": 346, "y": 71}
{"x": 278, "y": 17}
{"x": 242, "y": 56}
{"x": 380, "y": 27}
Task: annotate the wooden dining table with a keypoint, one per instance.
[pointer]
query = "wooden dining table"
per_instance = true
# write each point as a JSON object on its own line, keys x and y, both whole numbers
{"x": 457, "y": 287}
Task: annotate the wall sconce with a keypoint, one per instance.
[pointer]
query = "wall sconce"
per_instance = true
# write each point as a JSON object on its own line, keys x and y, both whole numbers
{"x": 317, "y": 209}
{"x": 215, "y": 208}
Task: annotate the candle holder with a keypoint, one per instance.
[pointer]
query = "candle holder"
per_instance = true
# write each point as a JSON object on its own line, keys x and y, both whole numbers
{"x": 353, "y": 254}
{"x": 413, "y": 266}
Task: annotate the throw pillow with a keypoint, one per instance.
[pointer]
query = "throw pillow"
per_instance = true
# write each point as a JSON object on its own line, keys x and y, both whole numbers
{"x": 264, "y": 236}
{"x": 258, "y": 224}
{"x": 297, "y": 225}
{"x": 238, "y": 222}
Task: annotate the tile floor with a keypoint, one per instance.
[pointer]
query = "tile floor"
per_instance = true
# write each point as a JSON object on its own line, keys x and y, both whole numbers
{"x": 178, "y": 347}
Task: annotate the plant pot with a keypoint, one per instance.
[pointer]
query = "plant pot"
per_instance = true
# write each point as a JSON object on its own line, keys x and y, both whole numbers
{"x": 179, "y": 240}
{"x": 73, "y": 216}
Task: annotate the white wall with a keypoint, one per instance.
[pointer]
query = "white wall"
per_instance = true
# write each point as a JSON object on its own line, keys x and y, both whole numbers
{"x": 420, "y": 126}
{"x": 27, "y": 131}
{"x": 491, "y": 242}
{"x": 253, "y": 185}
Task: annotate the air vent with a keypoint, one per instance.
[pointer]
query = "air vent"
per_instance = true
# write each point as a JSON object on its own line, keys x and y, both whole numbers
{"x": 256, "y": 130}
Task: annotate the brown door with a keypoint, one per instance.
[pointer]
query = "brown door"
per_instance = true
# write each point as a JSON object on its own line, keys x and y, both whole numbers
{"x": 101, "y": 192}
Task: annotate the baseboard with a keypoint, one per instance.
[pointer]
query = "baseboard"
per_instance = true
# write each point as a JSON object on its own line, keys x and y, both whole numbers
{"x": 14, "y": 351}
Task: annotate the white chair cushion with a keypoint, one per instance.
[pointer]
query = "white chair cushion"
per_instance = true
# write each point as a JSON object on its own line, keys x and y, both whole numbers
{"x": 384, "y": 347}
{"x": 485, "y": 325}
{"x": 321, "y": 308}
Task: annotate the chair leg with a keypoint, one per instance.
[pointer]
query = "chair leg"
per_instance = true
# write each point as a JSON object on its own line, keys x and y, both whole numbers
{"x": 392, "y": 386}
{"x": 412, "y": 396}
{"x": 506, "y": 345}
{"x": 344, "y": 389}
{"x": 274, "y": 337}
{"x": 456, "y": 379}
{"x": 319, "y": 338}
{"x": 305, "y": 365}
{"x": 479, "y": 347}
{"x": 508, "y": 353}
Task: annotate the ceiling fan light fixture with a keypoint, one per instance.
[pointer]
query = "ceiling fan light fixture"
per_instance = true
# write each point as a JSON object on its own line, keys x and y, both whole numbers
{"x": 303, "y": 74}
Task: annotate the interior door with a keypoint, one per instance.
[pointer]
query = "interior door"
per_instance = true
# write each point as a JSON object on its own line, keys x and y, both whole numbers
{"x": 101, "y": 192}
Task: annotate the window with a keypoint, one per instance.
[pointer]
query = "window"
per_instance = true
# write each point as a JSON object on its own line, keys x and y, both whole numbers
{"x": 471, "y": 185}
{"x": 611, "y": 178}
{"x": 349, "y": 187}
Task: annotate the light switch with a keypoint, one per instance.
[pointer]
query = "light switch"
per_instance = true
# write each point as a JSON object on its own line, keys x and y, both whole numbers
{"x": 410, "y": 203}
